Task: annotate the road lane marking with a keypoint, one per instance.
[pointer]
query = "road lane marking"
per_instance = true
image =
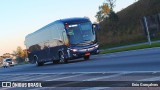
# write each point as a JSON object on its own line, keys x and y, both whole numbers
{"x": 93, "y": 79}
{"x": 6, "y": 88}
{"x": 151, "y": 79}
{"x": 15, "y": 78}
{"x": 60, "y": 79}
{"x": 27, "y": 78}
{"x": 65, "y": 77}
{"x": 12, "y": 76}
{"x": 42, "y": 77}
{"x": 110, "y": 76}
{"x": 43, "y": 88}
{"x": 96, "y": 88}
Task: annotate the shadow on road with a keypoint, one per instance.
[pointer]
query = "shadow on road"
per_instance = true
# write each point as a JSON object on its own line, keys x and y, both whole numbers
{"x": 69, "y": 62}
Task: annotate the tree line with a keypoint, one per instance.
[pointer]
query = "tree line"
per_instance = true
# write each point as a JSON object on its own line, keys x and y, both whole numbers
{"x": 19, "y": 55}
{"x": 106, "y": 11}
{"x": 124, "y": 27}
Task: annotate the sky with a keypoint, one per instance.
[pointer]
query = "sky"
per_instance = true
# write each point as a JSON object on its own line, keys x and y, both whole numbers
{"x": 21, "y": 17}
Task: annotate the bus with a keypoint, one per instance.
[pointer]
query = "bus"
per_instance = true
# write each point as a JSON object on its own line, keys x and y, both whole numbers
{"x": 61, "y": 41}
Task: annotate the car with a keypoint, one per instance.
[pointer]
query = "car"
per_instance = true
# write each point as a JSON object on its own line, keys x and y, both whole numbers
{"x": 8, "y": 62}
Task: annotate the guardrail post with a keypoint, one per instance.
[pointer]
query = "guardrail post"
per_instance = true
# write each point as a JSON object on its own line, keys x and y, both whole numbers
{"x": 148, "y": 33}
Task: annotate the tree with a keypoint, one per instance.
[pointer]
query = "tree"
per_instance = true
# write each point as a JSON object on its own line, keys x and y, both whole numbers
{"x": 7, "y": 55}
{"x": 111, "y": 4}
{"x": 113, "y": 16}
{"x": 105, "y": 10}
{"x": 1, "y": 60}
{"x": 20, "y": 54}
{"x": 99, "y": 15}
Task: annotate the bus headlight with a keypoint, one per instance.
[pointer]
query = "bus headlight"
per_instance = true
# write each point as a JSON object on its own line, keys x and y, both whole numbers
{"x": 97, "y": 46}
{"x": 74, "y": 50}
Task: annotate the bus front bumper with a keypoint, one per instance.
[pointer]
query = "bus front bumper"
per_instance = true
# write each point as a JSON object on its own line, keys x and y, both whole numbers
{"x": 83, "y": 52}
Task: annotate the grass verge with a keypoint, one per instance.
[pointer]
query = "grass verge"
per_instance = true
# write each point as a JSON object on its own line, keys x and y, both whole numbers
{"x": 132, "y": 48}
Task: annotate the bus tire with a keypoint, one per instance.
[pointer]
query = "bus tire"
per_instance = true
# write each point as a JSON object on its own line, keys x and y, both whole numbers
{"x": 62, "y": 58}
{"x": 86, "y": 57}
{"x": 38, "y": 63}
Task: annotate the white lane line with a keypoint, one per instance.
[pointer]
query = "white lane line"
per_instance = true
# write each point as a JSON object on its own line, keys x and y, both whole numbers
{"x": 36, "y": 73}
{"x": 5, "y": 88}
{"x": 41, "y": 77}
{"x": 151, "y": 79}
{"x": 110, "y": 76}
{"x": 45, "y": 76}
{"x": 26, "y": 78}
{"x": 36, "y": 76}
{"x": 15, "y": 78}
{"x": 60, "y": 79}
{"x": 146, "y": 79}
{"x": 96, "y": 88}
{"x": 47, "y": 88}
{"x": 84, "y": 72}
{"x": 65, "y": 77}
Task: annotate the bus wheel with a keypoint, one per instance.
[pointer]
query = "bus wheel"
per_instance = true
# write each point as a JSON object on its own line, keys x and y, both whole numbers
{"x": 86, "y": 57}
{"x": 62, "y": 58}
{"x": 38, "y": 63}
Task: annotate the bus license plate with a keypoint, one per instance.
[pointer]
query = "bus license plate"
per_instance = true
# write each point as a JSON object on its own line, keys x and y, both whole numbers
{"x": 87, "y": 54}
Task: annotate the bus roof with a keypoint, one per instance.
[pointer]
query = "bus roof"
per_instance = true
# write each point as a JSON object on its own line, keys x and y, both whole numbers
{"x": 74, "y": 20}
{"x": 65, "y": 21}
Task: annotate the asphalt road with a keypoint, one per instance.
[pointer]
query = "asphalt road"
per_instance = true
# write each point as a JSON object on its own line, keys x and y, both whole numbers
{"x": 136, "y": 65}
{"x": 137, "y": 60}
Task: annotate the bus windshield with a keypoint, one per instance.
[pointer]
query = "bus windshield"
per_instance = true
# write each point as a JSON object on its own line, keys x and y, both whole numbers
{"x": 81, "y": 33}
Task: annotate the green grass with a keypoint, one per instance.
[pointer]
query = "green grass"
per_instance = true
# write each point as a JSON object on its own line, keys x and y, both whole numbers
{"x": 122, "y": 44}
{"x": 128, "y": 43}
{"x": 132, "y": 48}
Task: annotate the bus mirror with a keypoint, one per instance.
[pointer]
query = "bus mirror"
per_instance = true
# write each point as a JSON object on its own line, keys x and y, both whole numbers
{"x": 95, "y": 27}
